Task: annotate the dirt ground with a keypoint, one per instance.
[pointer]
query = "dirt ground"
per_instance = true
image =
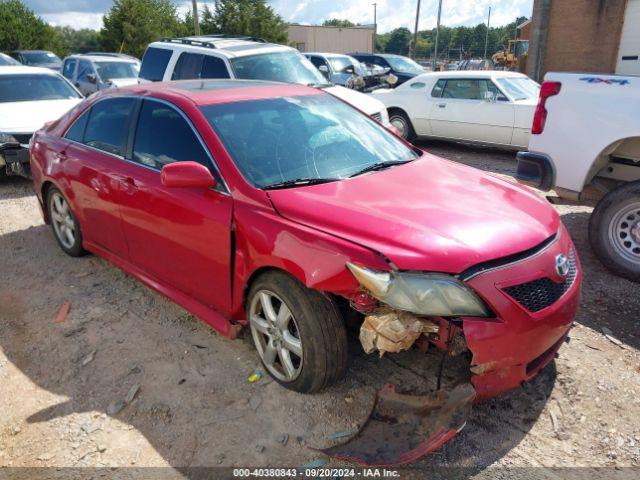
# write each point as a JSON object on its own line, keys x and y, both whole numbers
{"x": 60, "y": 382}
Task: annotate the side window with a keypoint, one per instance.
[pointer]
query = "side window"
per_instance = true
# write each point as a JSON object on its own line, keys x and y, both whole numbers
{"x": 189, "y": 65}
{"x": 438, "y": 88}
{"x": 463, "y": 89}
{"x": 84, "y": 68}
{"x": 154, "y": 63}
{"x": 317, "y": 61}
{"x": 214, "y": 67}
{"x": 493, "y": 88}
{"x": 108, "y": 125}
{"x": 76, "y": 132}
{"x": 380, "y": 61}
{"x": 69, "y": 68}
{"x": 163, "y": 136}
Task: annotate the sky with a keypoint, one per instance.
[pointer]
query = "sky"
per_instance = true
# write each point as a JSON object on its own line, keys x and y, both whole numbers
{"x": 391, "y": 13}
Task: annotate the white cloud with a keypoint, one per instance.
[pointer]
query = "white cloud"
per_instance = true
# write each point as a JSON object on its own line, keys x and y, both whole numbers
{"x": 74, "y": 19}
{"x": 401, "y": 13}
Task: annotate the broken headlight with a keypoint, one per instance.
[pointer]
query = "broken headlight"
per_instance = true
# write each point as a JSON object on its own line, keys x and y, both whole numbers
{"x": 432, "y": 294}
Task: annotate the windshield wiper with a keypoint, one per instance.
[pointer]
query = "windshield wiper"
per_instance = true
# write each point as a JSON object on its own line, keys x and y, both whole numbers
{"x": 298, "y": 182}
{"x": 380, "y": 166}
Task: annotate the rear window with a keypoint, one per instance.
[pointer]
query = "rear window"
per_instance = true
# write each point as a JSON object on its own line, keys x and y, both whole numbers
{"x": 154, "y": 63}
{"x": 197, "y": 65}
{"x": 108, "y": 125}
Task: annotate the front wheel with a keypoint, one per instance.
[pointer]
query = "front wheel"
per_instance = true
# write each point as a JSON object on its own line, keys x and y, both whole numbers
{"x": 402, "y": 123}
{"x": 65, "y": 225}
{"x": 298, "y": 333}
{"x": 614, "y": 231}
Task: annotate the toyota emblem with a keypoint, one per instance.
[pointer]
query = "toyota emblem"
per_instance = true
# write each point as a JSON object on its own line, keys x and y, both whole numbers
{"x": 562, "y": 265}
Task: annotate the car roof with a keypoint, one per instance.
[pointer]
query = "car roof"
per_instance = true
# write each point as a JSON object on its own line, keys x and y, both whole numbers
{"x": 34, "y": 51}
{"x": 23, "y": 69}
{"x": 214, "y": 91}
{"x": 226, "y": 46}
{"x": 102, "y": 58}
{"x": 328, "y": 54}
{"x": 470, "y": 73}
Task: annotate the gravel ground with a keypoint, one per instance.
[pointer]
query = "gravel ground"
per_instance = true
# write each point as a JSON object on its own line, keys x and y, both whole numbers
{"x": 190, "y": 401}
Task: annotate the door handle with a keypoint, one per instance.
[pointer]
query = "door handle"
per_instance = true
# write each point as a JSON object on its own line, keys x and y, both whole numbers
{"x": 442, "y": 105}
{"x": 60, "y": 156}
{"x": 130, "y": 181}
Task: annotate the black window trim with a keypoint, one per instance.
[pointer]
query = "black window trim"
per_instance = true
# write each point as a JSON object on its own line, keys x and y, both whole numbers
{"x": 133, "y": 125}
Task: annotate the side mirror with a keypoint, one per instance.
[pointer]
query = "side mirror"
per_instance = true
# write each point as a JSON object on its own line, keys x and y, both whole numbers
{"x": 323, "y": 69}
{"x": 186, "y": 175}
{"x": 91, "y": 77}
{"x": 488, "y": 97}
{"x": 350, "y": 69}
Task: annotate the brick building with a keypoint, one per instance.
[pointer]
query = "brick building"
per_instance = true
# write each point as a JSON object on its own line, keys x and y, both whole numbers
{"x": 600, "y": 36}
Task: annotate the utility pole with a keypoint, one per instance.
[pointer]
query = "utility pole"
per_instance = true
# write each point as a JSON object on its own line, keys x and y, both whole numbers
{"x": 375, "y": 27}
{"x": 414, "y": 44}
{"x": 196, "y": 22}
{"x": 435, "y": 56}
{"x": 486, "y": 40}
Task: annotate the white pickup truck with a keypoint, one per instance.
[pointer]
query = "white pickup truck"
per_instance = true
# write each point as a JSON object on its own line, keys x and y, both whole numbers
{"x": 585, "y": 144}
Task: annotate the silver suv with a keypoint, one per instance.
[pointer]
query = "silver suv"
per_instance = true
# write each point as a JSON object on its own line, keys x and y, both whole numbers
{"x": 90, "y": 73}
{"x": 223, "y": 56}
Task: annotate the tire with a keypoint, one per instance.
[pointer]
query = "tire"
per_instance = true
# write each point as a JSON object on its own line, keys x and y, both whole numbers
{"x": 62, "y": 221}
{"x": 614, "y": 231}
{"x": 315, "y": 323}
{"x": 399, "y": 119}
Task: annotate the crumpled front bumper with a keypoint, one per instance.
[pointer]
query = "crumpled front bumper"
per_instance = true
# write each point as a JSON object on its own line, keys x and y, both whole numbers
{"x": 15, "y": 159}
{"x": 515, "y": 346}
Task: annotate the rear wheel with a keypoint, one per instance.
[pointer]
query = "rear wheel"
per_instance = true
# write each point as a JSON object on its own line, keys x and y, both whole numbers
{"x": 65, "y": 225}
{"x": 401, "y": 122}
{"x": 614, "y": 231}
{"x": 298, "y": 333}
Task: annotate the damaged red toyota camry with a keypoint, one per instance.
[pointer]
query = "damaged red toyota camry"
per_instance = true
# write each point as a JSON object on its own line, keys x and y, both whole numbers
{"x": 282, "y": 209}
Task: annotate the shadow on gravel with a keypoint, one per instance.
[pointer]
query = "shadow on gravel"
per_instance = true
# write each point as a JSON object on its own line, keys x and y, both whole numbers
{"x": 607, "y": 300}
{"x": 195, "y": 405}
{"x": 15, "y": 187}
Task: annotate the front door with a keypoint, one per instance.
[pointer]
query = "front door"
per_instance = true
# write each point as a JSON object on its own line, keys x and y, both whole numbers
{"x": 462, "y": 112}
{"x": 180, "y": 236}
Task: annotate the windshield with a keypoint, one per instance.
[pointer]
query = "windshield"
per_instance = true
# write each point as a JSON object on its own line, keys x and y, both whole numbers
{"x": 403, "y": 64}
{"x": 31, "y": 88}
{"x": 7, "y": 60}
{"x": 340, "y": 64}
{"x": 111, "y": 70}
{"x": 40, "y": 58}
{"x": 311, "y": 137}
{"x": 519, "y": 88}
{"x": 290, "y": 67}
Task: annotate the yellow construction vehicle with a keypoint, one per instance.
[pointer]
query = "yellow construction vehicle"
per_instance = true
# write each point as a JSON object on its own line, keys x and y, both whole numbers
{"x": 516, "y": 53}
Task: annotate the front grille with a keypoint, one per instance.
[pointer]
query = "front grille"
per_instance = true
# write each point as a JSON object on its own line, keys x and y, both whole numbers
{"x": 22, "y": 138}
{"x": 377, "y": 117}
{"x": 543, "y": 292}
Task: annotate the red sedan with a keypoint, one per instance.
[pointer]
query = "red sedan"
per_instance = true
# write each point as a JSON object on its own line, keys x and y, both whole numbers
{"x": 281, "y": 208}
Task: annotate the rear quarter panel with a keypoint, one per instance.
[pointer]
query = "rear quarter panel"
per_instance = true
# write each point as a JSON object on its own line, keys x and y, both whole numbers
{"x": 590, "y": 113}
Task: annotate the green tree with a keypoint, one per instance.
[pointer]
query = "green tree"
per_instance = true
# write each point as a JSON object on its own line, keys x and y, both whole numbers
{"x": 244, "y": 17}
{"x": 78, "y": 41}
{"x": 398, "y": 41}
{"x": 21, "y": 29}
{"x": 337, "y": 22}
{"x": 131, "y": 25}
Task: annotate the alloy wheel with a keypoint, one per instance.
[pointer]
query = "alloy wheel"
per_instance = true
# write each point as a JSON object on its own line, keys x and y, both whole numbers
{"x": 276, "y": 335}
{"x": 63, "y": 223}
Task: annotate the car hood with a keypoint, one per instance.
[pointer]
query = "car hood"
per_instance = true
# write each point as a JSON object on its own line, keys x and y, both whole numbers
{"x": 361, "y": 101}
{"x": 27, "y": 117}
{"x": 123, "y": 82}
{"x": 430, "y": 214}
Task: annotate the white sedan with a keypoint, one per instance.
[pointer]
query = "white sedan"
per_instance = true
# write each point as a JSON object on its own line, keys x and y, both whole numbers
{"x": 29, "y": 98}
{"x": 485, "y": 107}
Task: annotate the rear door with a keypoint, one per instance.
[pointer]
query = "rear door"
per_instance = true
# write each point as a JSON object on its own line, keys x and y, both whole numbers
{"x": 93, "y": 158}
{"x": 463, "y": 113}
{"x": 180, "y": 236}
